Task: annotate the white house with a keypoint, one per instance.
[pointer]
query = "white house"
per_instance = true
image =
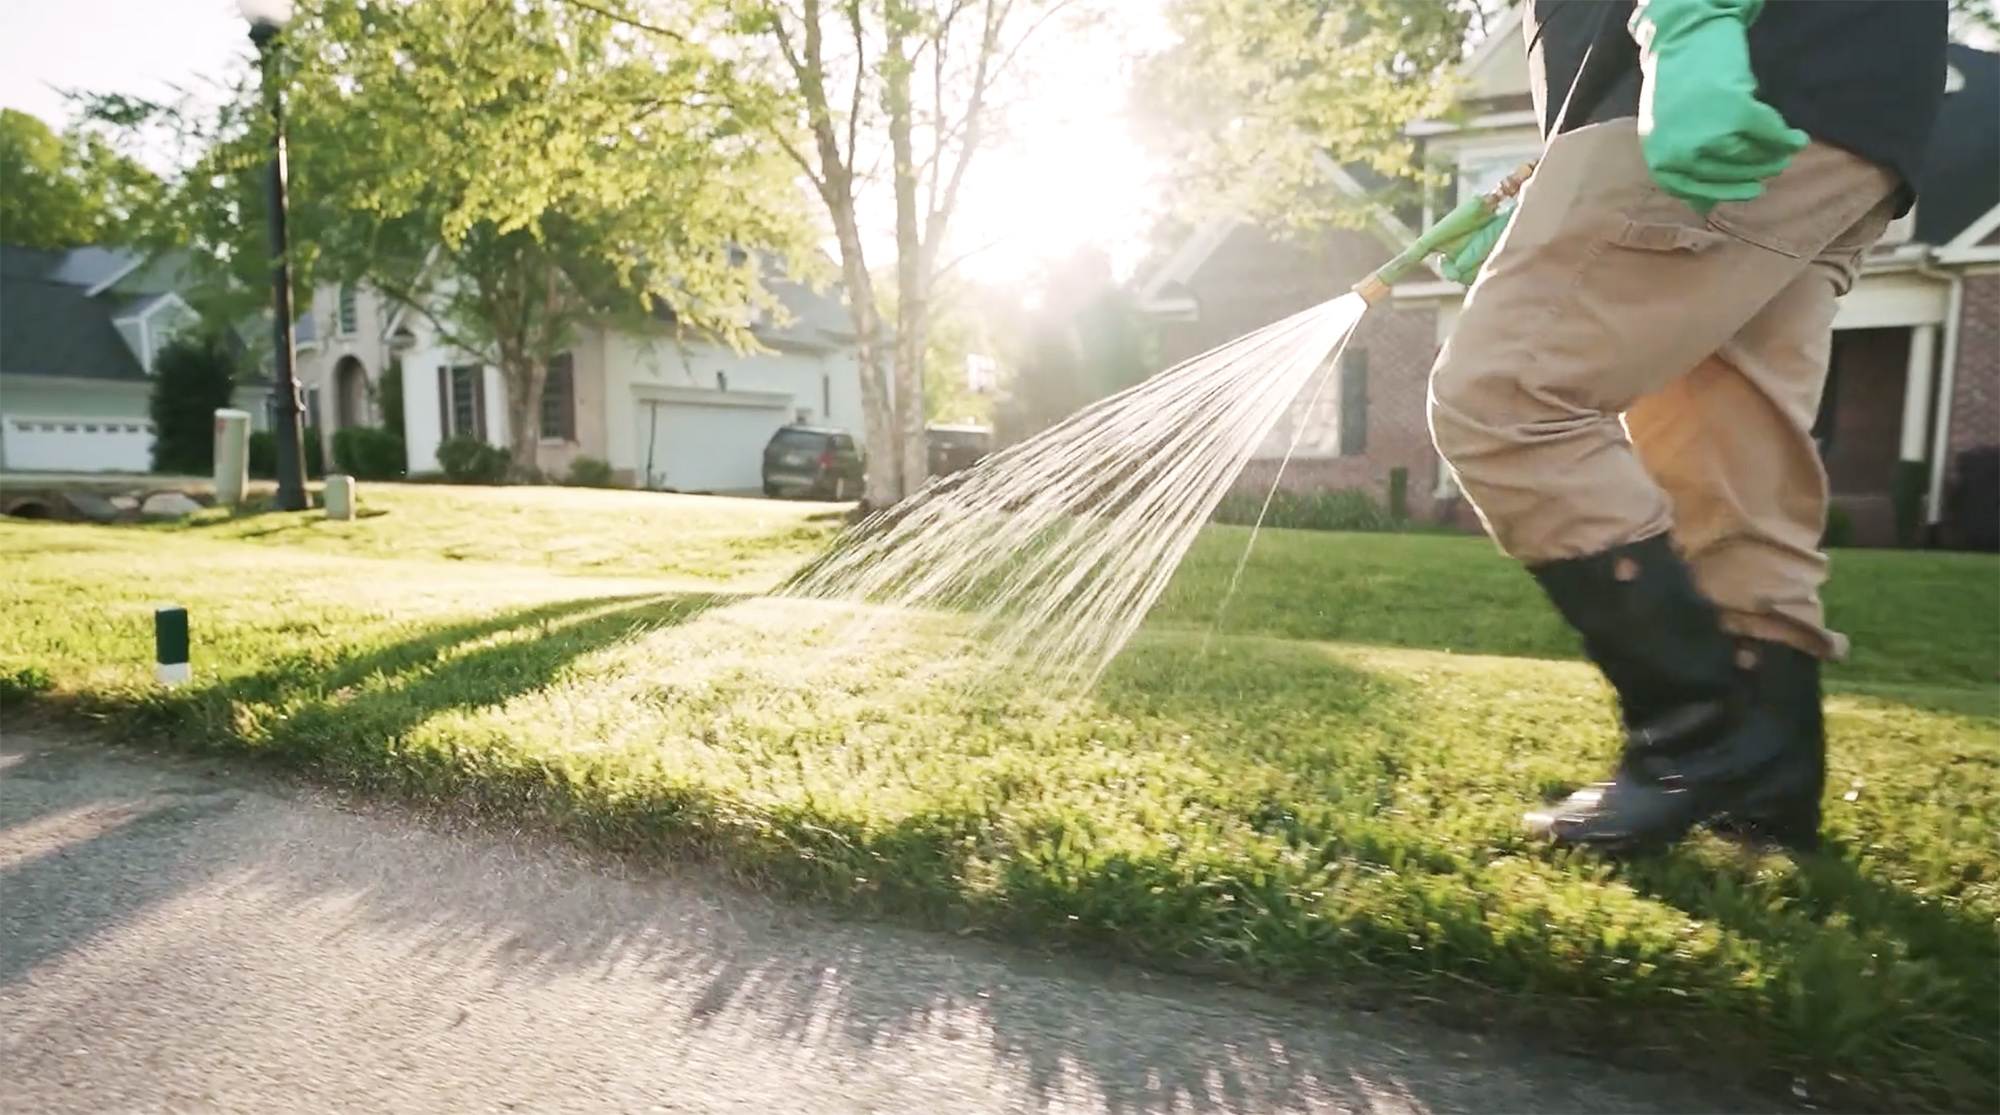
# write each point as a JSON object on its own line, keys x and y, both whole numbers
{"x": 666, "y": 414}
{"x": 343, "y": 342}
{"x": 80, "y": 331}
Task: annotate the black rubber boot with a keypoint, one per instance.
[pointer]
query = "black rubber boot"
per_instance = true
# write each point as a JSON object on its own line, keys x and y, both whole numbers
{"x": 1697, "y": 743}
{"x": 1784, "y": 809}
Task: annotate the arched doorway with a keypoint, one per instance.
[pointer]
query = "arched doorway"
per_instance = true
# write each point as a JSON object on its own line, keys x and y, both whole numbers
{"x": 350, "y": 394}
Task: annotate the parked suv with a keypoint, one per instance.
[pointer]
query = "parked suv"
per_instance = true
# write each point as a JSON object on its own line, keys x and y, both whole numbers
{"x": 817, "y": 462}
{"x": 954, "y": 448}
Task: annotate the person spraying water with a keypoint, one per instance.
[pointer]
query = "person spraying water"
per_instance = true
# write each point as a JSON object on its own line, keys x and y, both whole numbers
{"x": 1668, "y": 267}
{"x": 1628, "y": 395}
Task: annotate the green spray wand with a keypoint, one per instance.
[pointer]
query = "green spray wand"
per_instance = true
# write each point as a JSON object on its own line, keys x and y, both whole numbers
{"x": 1468, "y": 218}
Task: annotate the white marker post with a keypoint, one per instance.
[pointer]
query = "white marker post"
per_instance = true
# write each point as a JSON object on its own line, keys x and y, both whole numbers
{"x": 232, "y": 456}
{"x": 339, "y": 497}
{"x": 170, "y": 646}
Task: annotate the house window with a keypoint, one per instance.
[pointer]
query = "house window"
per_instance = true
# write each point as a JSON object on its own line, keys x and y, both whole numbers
{"x": 462, "y": 401}
{"x": 347, "y": 313}
{"x": 1354, "y": 402}
{"x": 312, "y": 408}
{"x": 559, "y": 400}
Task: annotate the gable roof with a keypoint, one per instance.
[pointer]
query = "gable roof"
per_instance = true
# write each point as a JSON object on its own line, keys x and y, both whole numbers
{"x": 54, "y": 327}
{"x": 1960, "y": 182}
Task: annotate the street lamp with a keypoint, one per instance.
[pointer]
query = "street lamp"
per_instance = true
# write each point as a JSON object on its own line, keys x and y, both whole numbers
{"x": 267, "y": 18}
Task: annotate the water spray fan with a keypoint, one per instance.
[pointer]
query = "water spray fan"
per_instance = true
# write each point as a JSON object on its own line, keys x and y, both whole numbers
{"x": 1468, "y": 218}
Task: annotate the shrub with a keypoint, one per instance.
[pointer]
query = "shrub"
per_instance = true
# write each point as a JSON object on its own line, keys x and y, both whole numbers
{"x": 194, "y": 376}
{"x": 1349, "y": 510}
{"x": 1839, "y": 528}
{"x": 369, "y": 453}
{"x": 1913, "y": 479}
{"x": 263, "y": 450}
{"x": 1973, "y": 504}
{"x": 1399, "y": 494}
{"x": 467, "y": 460}
{"x": 590, "y": 472}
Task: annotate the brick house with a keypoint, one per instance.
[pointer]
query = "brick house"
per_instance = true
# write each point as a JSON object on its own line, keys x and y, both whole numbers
{"x": 1915, "y": 377}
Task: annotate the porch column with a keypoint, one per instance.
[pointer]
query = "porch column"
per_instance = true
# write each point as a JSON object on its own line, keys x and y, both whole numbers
{"x": 1917, "y": 391}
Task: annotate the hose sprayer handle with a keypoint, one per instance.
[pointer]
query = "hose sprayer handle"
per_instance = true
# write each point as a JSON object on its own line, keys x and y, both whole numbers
{"x": 1468, "y": 218}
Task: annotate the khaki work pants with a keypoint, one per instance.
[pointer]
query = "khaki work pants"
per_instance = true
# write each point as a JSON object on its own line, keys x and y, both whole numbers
{"x": 1625, "y": 367}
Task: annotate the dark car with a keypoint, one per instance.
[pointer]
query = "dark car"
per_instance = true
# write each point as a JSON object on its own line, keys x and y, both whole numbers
{"x": 816, "y": 462}
{"x": 954, "y": 448}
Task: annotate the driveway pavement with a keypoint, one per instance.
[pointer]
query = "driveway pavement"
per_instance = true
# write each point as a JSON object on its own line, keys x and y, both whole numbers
{"x": 175, "y": 937}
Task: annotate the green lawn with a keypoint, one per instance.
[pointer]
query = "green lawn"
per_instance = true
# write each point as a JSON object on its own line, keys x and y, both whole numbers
{"x": 568, "y": 530}
{"x": 1327, "y": 798}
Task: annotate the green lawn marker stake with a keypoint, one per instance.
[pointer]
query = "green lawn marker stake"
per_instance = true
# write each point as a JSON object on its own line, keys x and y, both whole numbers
{"x": 170, "y": 646}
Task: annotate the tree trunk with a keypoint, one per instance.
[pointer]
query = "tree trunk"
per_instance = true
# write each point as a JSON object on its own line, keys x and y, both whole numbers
{"x": 912, "y": 297}
{"x": 525, "y": 377}
{"x": 878, "y": 421}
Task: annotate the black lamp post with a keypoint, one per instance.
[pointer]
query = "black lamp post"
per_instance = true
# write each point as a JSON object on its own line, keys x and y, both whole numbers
{"x": 267, "y": 18}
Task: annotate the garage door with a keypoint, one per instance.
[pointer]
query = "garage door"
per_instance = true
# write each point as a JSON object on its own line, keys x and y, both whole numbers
{"x": 36, "y": 444}
{"x": 696, "y": 448}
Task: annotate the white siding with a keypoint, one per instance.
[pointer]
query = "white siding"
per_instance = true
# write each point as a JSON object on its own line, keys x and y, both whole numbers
{"x": 763, "y": 389}
{"x": 728, "y": 418}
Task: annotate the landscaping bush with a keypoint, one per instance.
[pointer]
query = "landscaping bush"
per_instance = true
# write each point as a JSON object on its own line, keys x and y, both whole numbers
{"x": 590, "y": 472}
{"x": 369, "y": 453}
{"x": 1839, "y": 528}
{"x": 1972, "y": 512}
{"x": 467, "y": 460}
{"x": 194, "y": 377}
{"x": 1349, "y": 509}
{"x": 264, "y": 454}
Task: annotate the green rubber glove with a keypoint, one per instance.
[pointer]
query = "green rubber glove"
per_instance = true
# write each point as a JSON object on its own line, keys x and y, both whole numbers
{"x": 1463, "y": 257}
{"x": 1705, "y": 135}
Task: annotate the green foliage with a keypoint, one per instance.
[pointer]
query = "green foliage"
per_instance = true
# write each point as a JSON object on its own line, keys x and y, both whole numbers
{"x": 1399, "y": 494}
{"x": 63, "y": 191}
{"x": 263, "y": 454}
{"x": 1346, "y": 509}
{"x": 194, "y": 376}
{"x": 1976, "y": 22}
{"x": 1839, "y": 528}
{"x": 959, "y": 328}
{"x": 369, "y": 453}
{"x": 466, "y": 459}
{"x": 1913, "y": 479}
{"x": 590, "y": 472}
{"x": 565, "y": 167}
{"x": 1088, "y": 340}
{"x": 1251, "y": 97}
{"x": 21, "y": 681}
{"x": 1308, "y": 815}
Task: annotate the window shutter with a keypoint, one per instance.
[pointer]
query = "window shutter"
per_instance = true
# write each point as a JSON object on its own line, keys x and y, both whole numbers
{"x": 478, "y": 374}
{"x": 1354, "y": 403}
{"x": 558, "y": 416}
{"x": 444, "y": 402}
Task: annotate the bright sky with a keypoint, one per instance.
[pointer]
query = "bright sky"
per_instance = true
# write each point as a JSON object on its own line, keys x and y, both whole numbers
{"x": 1072, "y": 179}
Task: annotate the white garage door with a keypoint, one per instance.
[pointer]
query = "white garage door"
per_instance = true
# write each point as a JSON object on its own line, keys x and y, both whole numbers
{"x": 36, "y": 444}
{"x": 696, "y": 448}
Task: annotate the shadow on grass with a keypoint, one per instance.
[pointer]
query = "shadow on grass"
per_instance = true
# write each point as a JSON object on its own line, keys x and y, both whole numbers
{"x": 347, "y": 720}
{"x": 346, "y": 716}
